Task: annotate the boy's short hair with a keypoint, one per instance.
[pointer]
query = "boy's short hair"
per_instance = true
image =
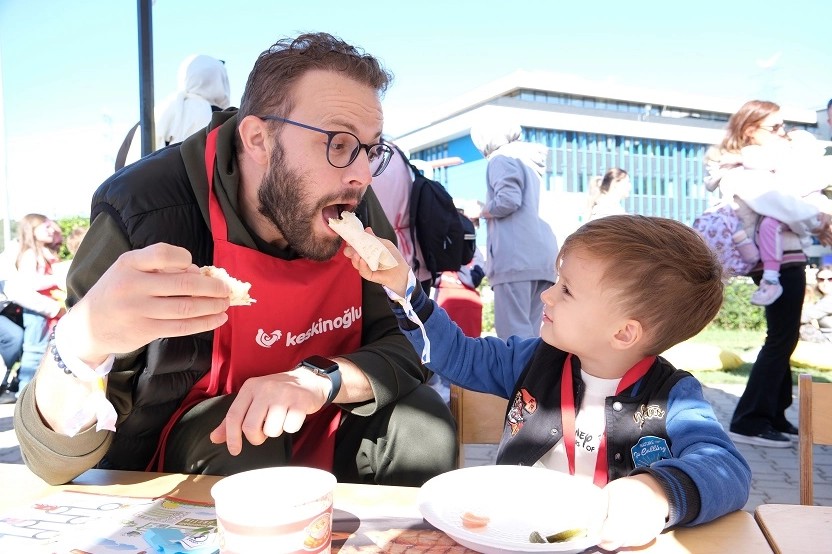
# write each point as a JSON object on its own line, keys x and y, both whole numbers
{"x": 668, "y": 278}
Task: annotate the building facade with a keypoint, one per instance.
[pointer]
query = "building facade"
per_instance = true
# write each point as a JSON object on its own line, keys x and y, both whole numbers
{"x": 659, "y": 138}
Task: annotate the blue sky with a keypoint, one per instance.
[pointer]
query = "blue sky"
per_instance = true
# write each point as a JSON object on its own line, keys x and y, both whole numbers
{"x": 70, "y": 67}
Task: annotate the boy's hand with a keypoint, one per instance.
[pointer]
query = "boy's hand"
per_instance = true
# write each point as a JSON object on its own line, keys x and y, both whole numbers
{"x": 394, "y": 279}
{"x": 636, "y": 513}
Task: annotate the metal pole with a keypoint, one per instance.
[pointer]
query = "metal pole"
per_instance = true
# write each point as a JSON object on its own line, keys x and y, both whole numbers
{"x": 146, "y": 76}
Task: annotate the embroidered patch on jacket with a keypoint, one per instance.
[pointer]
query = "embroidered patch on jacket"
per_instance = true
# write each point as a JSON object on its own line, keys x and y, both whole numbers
{"x": 648, "y": 450}
{"x": 644, "y": 413}
{"x": 523, "y": 403}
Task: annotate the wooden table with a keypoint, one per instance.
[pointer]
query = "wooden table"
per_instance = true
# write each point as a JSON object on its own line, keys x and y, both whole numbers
{"x": 735, "y": 533}
{"x": 794, "y": 528}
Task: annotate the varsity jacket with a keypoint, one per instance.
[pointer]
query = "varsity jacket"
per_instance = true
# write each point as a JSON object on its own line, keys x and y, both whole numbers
{"x": 661, "y": 425}
{"x": 163, "y": 198}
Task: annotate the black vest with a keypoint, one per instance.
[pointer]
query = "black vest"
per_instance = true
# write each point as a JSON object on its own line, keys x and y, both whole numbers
{"x": 154, "y": 202}
{"x": 538, "y": 389}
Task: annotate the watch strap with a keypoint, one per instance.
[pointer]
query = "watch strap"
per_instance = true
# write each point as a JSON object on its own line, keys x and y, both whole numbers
{"x": 335, "y": 379}
{"x": 325, "y": 367}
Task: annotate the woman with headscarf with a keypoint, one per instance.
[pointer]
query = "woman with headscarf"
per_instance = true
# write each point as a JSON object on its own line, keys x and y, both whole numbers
{"x": 521, "y": 247}
{"x": 203, "y": 89}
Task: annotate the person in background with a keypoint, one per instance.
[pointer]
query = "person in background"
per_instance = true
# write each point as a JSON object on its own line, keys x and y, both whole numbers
{"x": 32, "y": 270}
{"x": 793, "y": 163}
{"x": 591, "y": 396}
{"x": 11, "y": 347}
{"x": 829, "y": 116}
{"x": 816, "y": 319}
{"x": 393, "y": 188}
{"x": 520, "y": 246}
{"x": 608, "y": 198}
{"x": 203, "y": 89}
{"x": 315, "y": 372}
{"x": 457, "y": 293}
{"x": 760, "y": 415}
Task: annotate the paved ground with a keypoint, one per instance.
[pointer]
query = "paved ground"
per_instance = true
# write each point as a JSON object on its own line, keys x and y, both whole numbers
{"x": 775, "y": 476}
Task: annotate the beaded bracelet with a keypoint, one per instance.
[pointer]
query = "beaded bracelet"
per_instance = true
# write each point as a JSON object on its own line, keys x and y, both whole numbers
{"x": 55, "y": 355}
{"x": 97, "y": 406}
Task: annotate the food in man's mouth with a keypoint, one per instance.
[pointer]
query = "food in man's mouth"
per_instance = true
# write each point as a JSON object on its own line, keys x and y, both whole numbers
{"x": 368, "y": 247}
{"x": 239, "y": 290}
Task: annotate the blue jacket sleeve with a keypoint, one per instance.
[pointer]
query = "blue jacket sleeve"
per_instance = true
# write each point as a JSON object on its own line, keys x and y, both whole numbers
{"x": 485, "y": 364}
{"x": 704, "y": 458}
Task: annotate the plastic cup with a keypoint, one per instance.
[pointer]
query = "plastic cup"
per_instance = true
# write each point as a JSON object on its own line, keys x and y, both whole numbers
{"x": 276, "y": 509}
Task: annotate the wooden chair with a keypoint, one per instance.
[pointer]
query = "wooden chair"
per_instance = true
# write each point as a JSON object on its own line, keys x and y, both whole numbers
{"x": 815, "y": 427}
{"x": 479, "y": 418}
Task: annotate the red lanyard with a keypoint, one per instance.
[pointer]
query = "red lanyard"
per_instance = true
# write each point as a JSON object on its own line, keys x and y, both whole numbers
{"x": 567, "y": 406}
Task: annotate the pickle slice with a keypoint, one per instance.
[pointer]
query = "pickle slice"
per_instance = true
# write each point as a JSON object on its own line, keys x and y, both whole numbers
{"x": 567, "y": 535}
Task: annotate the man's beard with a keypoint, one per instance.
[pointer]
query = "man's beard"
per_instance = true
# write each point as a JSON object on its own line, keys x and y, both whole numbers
{"x": 285, "y": 201}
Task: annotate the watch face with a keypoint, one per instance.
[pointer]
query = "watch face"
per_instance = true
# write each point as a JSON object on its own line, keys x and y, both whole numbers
{"x": 325, "y": 365}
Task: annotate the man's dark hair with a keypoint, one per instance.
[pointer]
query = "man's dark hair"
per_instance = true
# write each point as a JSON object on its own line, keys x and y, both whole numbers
{"x": 829, "y": 104}
{"x": 278, "y": 68}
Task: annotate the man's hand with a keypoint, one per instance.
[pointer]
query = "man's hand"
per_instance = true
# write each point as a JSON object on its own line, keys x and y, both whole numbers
{"x": 146, "y": 294}
{"x": 636, "y": 513}
{"x": 394, "y": 278}
{"x": 271, "y": 405}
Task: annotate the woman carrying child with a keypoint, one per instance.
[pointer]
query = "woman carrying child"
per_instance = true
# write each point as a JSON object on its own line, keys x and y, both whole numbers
{"x": 746, "y": 168}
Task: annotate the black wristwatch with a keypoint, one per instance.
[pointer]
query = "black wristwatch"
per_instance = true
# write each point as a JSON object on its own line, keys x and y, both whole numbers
{"x": 329, "y": 369}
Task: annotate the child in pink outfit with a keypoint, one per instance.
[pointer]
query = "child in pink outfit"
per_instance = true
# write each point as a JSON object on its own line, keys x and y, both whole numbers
{"x": 800, "y": 164}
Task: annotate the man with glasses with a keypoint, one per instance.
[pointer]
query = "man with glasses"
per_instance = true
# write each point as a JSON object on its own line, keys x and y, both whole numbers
{"x": 315, "y": 372}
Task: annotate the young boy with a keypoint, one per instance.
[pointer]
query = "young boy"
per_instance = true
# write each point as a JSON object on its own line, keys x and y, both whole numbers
{"x": 629, "y": 287}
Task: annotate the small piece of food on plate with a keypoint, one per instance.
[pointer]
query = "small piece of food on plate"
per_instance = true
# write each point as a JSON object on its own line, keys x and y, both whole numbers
{"x": 567, "y": 535}
{"x": 474, "y": 521}
{"x": 562, "y": 536}
{"x": 368, "y": 247}
{"x": 239, "y": 290}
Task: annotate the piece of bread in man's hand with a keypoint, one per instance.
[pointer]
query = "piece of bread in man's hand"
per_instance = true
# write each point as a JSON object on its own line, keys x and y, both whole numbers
{"x": 368, "y": 246}
{"x": 239, "y": 290}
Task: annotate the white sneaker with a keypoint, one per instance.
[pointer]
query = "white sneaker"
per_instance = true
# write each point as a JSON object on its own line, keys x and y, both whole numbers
{"x": 767, "y": 293}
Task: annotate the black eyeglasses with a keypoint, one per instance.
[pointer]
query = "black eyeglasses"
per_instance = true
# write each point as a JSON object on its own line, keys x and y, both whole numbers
{"x": 342, "y": 147}
{"x": 774, "y": 129}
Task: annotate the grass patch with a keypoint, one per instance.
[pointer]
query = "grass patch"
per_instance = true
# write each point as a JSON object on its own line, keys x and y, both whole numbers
{"x": 736, "y": 340}
{"x": 744, "y": 342}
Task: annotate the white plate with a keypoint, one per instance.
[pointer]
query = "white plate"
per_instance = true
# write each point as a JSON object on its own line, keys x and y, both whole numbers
{"x": 517, "y": 500}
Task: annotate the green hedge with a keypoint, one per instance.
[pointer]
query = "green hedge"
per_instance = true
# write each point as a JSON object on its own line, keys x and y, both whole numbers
{"x": 737, "y": 311}
{"x": 67, "y": 224}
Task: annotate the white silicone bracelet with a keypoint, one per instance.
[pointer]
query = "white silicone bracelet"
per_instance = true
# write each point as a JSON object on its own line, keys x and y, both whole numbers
{"x": 410, "y": 312}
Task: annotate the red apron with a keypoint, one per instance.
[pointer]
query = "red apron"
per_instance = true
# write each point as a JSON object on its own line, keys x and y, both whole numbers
{"x": 303, "y": 308}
